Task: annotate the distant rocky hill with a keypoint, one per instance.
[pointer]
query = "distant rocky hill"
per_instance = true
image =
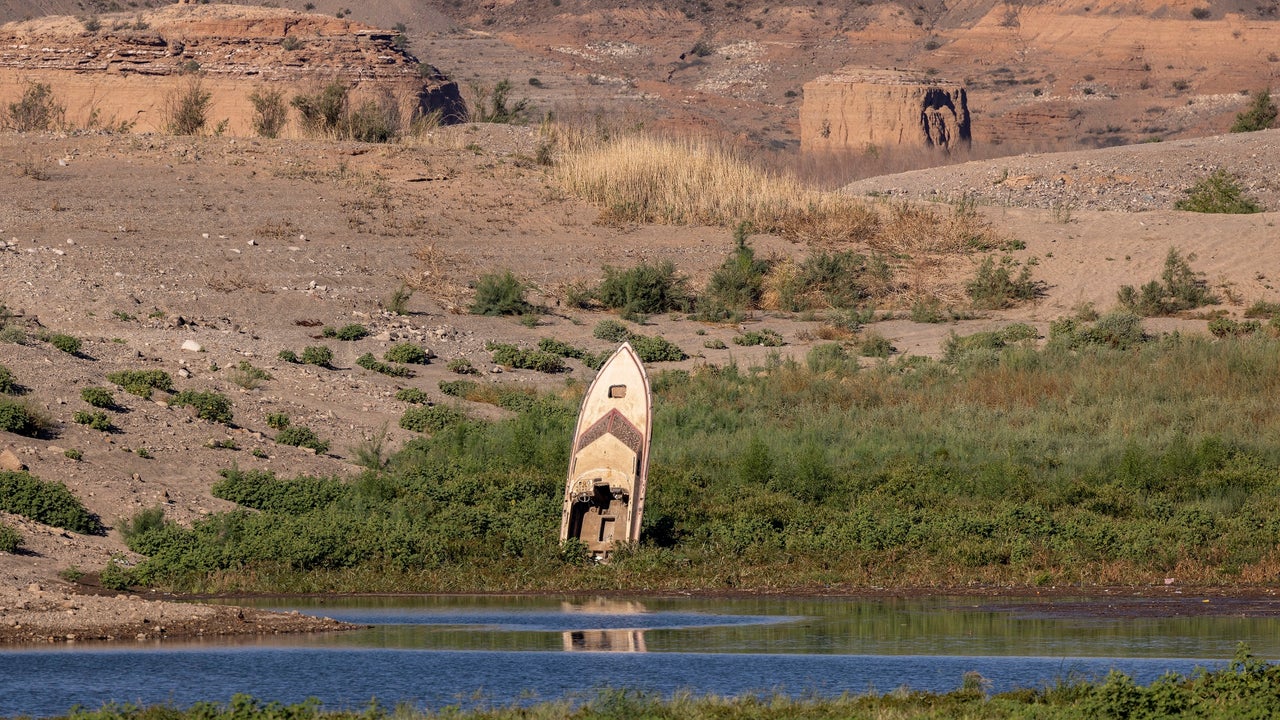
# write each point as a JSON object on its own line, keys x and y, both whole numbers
{"x": 123, "y": 68}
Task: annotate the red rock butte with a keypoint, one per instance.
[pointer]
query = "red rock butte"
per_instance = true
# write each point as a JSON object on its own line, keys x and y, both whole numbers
{"x": 864, "y": 109}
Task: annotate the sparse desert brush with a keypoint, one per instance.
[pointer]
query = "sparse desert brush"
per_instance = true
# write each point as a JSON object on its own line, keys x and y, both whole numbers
{"x": 1179, "y": 288}
{"x": 316, "y": 355}
{"x": 66, "y": 343}
{"x": 827, "y": 280}
{"x": 37, "y": 110}
{"x": 22, "y": 419}
{"x": 1260, "y": 115}
{"x": 98, "y": 397}
{"x": 1002, "y": 284}
{"x": 47, "y": 502}
{"x": 187, "y": 107}
{"x": 10, "y": 539}
{"x": 1220, "y": 192}
{"x": 500, "y": 293}
{"x": 8, "y": 383}
{"x": 369, "y": 362}
{"x": 349, "y": 333}
{"x": 247, "y": 376}
{"x": 302, "y": 436}
{"x": 407, "y": 353}
{"x": 637, "y": 178}
{"x": 645, "y": 289}
{"x": 142, "y": 382}
{"x": 431, "y": 419}
{"x": 270, "y": 113}
{"x": 212, "y": 406}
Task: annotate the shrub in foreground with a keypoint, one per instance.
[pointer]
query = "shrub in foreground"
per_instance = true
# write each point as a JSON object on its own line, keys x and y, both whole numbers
{"x": 302, "y": 436}
{"x": 10, "y": 539}
{"x": 16, "y": 417}
{"x": 8, "y": 383}
{"x": 1179, "y": 288}
{"x": 46, "y": 502}
{"x": 1218, "y": 193}
{"x": 500, "y": 294}
{"x": 212, "y": 406}
{"x": 142, "y": 382}
{"x": 431, "y": 419}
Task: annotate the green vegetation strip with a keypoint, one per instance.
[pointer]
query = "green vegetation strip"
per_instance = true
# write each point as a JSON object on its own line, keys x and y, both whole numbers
{"x": 1246, "y": 688}
{"x": 1083, "y": 462}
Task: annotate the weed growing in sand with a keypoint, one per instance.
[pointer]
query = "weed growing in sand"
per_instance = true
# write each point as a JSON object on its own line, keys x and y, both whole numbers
{"x": 8, "y": 383}
{"x": 289, "y": 356}
{"x": 412, "y": 395}
{"x": 349, "y": 333}
{"x": 278, "y": 420}
{"x": 493, "y": 104}
{"x": 71, "y": 574}
{"x": 500, "y": 293}
{"x": 98, "y": 420}
{"x": 1218, "y": 193}
{"x": 565, "y": 350}
{"x": 73, "y": 454}
{"x": 765, "y": 337}
{"x": 1179, "y": 288}
{"x": 316, "y": 355}
{"x": 1222, "y": 327}
{"x": 996, "y": 286}
{"x": 249, "y": 377}
{"x": 369, "y": 362}
{"x": 511, "y": 356}
{"x": 142, "y": 382}
{"x": 873, "y": 344}
{"x": 1119, "y": 330}
{"x": 116, "y": 576}
{"x": 827, "y": 280}
{"x": 431, "y": 419}
{"x": 212, "y": 406}
{"x": 462, "y": 366}
{"x": 66, "y": 343}
{"x": 10, "y": 539}
{"x": 21, "y": 419}
{"x": 612, "y": 331}
{"x": 328, "y": 113}
{"x": 302, "y": 436}
{"x": 37, "y": 111}
{"x": 99, "y": 397}
{"x": 399, "y": 301}
{"x": 187, "y": 107}
{"x": 714, "y": 344}
{"x": 1260, "y": 115}
{"x": 143, "y": 453}
{"x": 270, "y": 113}
{"x": 738, "y": 283}
{"x": 371, "y": 453}
{"x": 50, "y": 503}
{"x": 645, "y": 289}
{"x": 407, "y": 353}
{"x": 655, "y": 348}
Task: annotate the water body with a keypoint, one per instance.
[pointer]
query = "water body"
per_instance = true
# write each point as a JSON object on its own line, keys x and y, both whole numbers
{"x": 438, "y": 651}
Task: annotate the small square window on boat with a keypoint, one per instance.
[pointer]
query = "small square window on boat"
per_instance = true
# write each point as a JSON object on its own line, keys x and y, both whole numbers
{"x": 617, "y": 391}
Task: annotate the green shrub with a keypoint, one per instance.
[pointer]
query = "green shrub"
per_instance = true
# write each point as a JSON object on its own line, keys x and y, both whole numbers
{"x": 838, "y": 280}
{"x": 500, "y": 294}
{"x": 269, "y": 112}
{"x": 611, "y": 331}
{"x": 97, "y": 420}
{"x": 98, "y": 397}
{"x": 462, "y": 366}
{"x": 563, "y": 349}
{"x": 981, "y": 348}
{"x": 1218, "y": 193}
{"x": 323, "y": 112}
{"x": 1120, "y": 330}
{"x": 142, "y": 382}
{"x": 36, "y": 111}
{"x": 1263, "y": 309}
{"x": 407, "y": 353}
{"x": 45, "y": 502}
{"x": 8, "y": 383}
{"x": 524, "y": 359}
{"x": 317, "y": 355}
{"x": 1260, "y": 115}
{"x": 995, "y": 286}
{"x": 875, "y": 345}
{"x": 65, "y": 343}
{"x": 655, "y": 348}
{"x": 398, "y": 303}
{"x": 10, "y": 539}
{"x": 413, "y": 395}
{"x": 766, "y": 337}
{"x": 644, "y": 289}
{"x": 301, "y": 436}
{"x": 431, "y": 419}
{"x": 458, "y": 388}
{"x": 278, "y": 420}
{"x": 187, "y": 108}
{"x": 369, "y": 362}
{"x": 115, "y": 576}
{"x": 714, "y": 344}
{"x": 349, "y": 333}
{"x": 19, "y": 419}
{"x": 1179, "y": 288}
{"x": 289, "y": 356}
{"x": 247, "y": 376}
{"x": 212, "y": 406}
{"x": 1226, "y": 327}
{"x": 491, "y": 105}
{"x": 73, "y": 454}
{"x": 739, "y": 281}
{"x": 830, "y": 358}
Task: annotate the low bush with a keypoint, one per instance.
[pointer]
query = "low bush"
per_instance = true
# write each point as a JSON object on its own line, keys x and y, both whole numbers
{"x": 830, "y": 358}
{"x": 212, "y": 406}
{"x": 563, "y": 349}
{"x": 142, "y": 382}
{"x": 1222, "y": 327}
{"x": 431, "y": 419}
{"x": 1218, "y": 193}
{"x": 270, "y": 113}
{"x": 45, "y": 502}
{"x": 612, "y": 331}
{"x": 369, "y": 362}
{"x": 98, "y": 397}
{"x": 462, "y": 366}
{"x": 413, "y": 395}
{"x": 66, "y": 343}
{"x": 278, "y": 420}
{"x": 20, "y": 419}
{"x": 316, "y": 355}
{"x": 827, "y": 280}
{"x": 524, "y": 359}
{"x": 97, "y": 420}
{"x": 289, "y": 356}
{"x": 500, "y": 294}
{"x": 875, "y": 345}
{"x": 187, "y": 107}
{"x": 1263, "y": 309}
{"x": 1119, "y": 330}
{"x": 1260, "y": 115}
{"x": 766, "y": 337}
{"x": 249, "y": 377}
{"x": 655, "y": 348}
{"x": 301, "y": 436}
{"x": 737, "y": 284}
{"x": 10, "y": 539}
{"x": 996, "y": 286}
{"x": 407, "y": 353}
{"x": 349, "y": 333}
{"x": 983, "y": 347}
{"x": 645, "y": 289}
{"x": 1179, "y": 288}
{"x": 36, "y": 111}
{"x": 8, "y": 383}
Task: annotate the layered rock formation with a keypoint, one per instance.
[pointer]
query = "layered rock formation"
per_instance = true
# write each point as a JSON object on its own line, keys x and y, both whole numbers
{"x": 861, "y": 110}
{"x": 121, "y": 69}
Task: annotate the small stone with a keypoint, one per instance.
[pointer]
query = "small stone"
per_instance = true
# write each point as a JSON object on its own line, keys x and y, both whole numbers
{"x": 34, "y": 587}
{"x": 192, "y": 346}
{"x": 10, "y": 462}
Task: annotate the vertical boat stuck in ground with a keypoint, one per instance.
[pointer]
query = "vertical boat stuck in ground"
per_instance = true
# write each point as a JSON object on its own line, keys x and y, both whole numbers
{"x": 604, "y": 493}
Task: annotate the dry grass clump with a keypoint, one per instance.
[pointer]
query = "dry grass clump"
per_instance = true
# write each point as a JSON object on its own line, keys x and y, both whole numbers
{"x": 638, "y": 178}
{"x": 431, "y": 274}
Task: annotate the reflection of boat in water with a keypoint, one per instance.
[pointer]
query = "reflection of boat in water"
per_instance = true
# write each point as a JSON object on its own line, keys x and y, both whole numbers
{"x": 604, "y": 641}
{"x": 604, "y": 493}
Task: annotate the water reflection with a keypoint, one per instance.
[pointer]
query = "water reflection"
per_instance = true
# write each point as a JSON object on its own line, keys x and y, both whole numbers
{"x": 629, "y": 641}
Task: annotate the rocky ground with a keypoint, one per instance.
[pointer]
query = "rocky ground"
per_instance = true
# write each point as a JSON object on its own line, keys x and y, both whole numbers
{"x": 195, "y": 255}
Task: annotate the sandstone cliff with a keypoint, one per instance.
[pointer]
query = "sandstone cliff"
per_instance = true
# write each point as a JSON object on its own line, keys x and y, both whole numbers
{"x": 123, "y": 69}
{"x": 873, "y": 109}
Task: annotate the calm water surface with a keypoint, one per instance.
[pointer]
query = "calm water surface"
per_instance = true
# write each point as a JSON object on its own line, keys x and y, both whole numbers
{"x": 436, "y": 651}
